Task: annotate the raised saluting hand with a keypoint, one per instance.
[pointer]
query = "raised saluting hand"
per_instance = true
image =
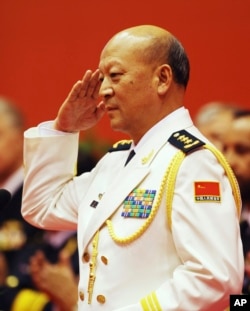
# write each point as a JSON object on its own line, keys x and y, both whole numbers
{"x": 81, "y": 109}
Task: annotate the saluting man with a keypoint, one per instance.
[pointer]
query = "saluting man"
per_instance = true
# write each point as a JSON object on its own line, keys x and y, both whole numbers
{"x": 160, "y": 232}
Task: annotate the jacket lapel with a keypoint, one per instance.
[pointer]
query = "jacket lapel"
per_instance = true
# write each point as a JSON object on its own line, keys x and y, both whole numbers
{"x": 113, "y": 198}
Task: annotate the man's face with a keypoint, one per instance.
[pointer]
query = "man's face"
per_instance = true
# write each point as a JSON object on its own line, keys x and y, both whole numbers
{"x": 237, "y": 152}
{"x": 217, "y": 128}
{"x": 11, "y": 142}
{"x": 129, "y": 89}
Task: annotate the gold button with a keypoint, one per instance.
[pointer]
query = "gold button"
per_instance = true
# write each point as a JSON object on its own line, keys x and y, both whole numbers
{"x": 86, "y": 257}
{"x": 81, "y": 295}
{"x": 101, "y": 298}
{"x": 104, "y": 260}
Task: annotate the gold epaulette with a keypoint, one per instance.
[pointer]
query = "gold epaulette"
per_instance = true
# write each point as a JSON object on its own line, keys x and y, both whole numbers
{"x": 121, "y": 145}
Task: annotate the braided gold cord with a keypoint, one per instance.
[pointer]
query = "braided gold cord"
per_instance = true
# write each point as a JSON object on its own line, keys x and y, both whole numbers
{"x": 230, "y": 175}
{"x": 92, "y": 267}
{"x": 171, "y": 179}
{"x": 168, "y": 181}
{"x": 134, "y": 236}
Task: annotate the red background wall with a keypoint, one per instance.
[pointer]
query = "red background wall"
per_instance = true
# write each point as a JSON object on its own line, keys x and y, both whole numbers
{"x": 46, "y": 45}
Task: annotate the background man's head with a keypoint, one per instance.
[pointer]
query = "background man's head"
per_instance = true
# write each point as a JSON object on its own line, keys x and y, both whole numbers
{"x": 11, "y": 138}
{"x": 237, "y": 151}
{"x": 214, "y": 121}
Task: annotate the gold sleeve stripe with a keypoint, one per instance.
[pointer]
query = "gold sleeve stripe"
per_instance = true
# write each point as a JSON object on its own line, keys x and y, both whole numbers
{"x": 150, "y": 303}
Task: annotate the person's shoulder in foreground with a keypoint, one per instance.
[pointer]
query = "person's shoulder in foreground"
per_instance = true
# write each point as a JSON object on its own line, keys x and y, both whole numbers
{"x": 150, "y": 233}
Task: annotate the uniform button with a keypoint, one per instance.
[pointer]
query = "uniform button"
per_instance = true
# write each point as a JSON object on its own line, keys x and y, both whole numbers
{"x": 101, "y": 299}
{"x": 81, "y": 295}
{"x": 86, "y": 257}
{"x": 104, "y": 260}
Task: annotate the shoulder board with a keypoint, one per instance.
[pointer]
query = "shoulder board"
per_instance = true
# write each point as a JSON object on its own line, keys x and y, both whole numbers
{"x": 185, "y": 141}
{"x": 121, "y": 145}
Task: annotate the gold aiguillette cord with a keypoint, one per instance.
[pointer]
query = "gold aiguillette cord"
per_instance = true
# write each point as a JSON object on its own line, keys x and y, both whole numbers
{"x": 92, "y": 267}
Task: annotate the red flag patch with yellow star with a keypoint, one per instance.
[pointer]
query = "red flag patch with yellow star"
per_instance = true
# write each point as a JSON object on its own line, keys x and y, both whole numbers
{"x": 207, "y": 191}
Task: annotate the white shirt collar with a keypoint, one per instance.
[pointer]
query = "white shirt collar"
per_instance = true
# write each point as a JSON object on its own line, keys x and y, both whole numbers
{"x": 162, "y": 123}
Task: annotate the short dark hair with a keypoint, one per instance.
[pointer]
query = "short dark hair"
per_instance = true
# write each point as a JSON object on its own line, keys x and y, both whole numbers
{"x": 178, "y": 60}
{"x": 168, "y": 50}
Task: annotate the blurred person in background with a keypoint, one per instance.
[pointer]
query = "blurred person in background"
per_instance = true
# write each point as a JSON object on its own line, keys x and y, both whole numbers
{"x": 15, "y": 232}
{"x": 19, "y": 240}
{"x": 237, "y": 151}
{"x": 17, "y": 237}
{"x": 58, "y": 280}
{"x": 214, "y": 120}
{"x": 53, "y": 272}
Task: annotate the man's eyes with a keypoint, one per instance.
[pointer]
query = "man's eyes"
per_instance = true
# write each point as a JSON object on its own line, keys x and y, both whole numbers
{"x": 112, "y": 75}
{"x": 242, "y": 150}
{"x": 115, "y": 74}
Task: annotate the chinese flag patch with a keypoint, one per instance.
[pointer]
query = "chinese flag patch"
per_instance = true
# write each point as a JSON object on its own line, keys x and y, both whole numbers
{"x": 207, "y": 191}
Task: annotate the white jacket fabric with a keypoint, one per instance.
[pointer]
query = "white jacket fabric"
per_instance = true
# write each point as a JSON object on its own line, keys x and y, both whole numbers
{"x": 195, "y": 265}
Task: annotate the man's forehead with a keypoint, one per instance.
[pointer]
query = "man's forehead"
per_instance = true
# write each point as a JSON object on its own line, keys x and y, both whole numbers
{"x": 117, "y": 55}
{"x": 124, "y": 44}
{"x": 240, "y": 131}
{"x": 108, "y": 62}
{"x": 242, "y": 123}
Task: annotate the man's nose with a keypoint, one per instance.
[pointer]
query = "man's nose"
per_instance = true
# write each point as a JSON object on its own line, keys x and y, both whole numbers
{"x": 105, "y": 89}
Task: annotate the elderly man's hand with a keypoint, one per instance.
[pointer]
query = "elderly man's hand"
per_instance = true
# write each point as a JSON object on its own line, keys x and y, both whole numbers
{"x": 81, "y": 110}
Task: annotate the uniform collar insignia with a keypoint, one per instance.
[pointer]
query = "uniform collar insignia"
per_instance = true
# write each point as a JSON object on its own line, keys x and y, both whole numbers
{"x": 147, "y": 158}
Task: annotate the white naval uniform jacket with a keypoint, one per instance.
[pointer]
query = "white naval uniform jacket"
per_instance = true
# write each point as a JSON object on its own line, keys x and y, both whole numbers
{"x": 194, "y": 266}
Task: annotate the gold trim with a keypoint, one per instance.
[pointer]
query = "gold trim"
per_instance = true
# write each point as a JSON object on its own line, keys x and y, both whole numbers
{"x": 168, "y": 182}
{"x": 173, "y": 169}
{"x": 146, "y": 159}
{"x": 175, "y": 164}
{"x": 134, "y": 236}
{"x": 92, "y": 266}
{"x": 230, "y": 174}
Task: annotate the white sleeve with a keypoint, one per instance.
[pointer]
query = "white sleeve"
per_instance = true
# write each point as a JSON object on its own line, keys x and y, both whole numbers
{"x": 46, "y": 129}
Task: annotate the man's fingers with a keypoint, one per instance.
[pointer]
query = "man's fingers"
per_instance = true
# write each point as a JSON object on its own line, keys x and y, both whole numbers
{"x": 85, "y": 84}
{"x": 38, "y": 259}
{"x": 75, "y": 91}
{"x": 96, "y": 89}
{"x": 88, "y": 87}
{"x": 93, "y": 85}
{"x": 100, "y": 111}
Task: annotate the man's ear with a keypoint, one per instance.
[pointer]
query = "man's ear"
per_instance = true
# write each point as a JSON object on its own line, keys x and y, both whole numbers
{"x": 165, "y": 77}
